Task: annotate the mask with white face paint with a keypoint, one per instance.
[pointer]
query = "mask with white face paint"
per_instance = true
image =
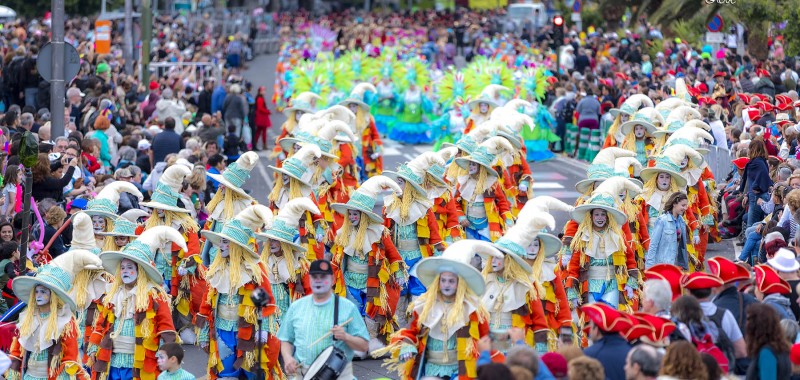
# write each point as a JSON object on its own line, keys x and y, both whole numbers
{"x": 98, "y": 223}
{"x": 128, "y": 271}
{"x": 224, "y": 247}
{"x": 354, "y": 216}
{"x": 275, "y": 247}
{"x": 498, "y": 264}
{"x": 321, "y": 283}
{"x": 599, "y": 218}
{"x": 448, "y": 284}
{"x": 684, "y": 163}
{"x": 533, "y": 249}
{"x": 42, "y": 295}
{"x": 663, "y": 181}
{"x": 473, "y": 168}
{"x": 638, "y": 131}
{"x": 484, "y": 108}
{"x": 353, "y": 107}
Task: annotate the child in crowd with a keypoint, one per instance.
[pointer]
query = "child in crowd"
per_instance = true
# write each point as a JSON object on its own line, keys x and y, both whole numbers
{"x": 169, "y": 358}
{"x": 234, "y": 145}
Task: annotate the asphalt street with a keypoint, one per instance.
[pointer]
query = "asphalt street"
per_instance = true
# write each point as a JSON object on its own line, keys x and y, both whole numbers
{"x": 555, "y": 178}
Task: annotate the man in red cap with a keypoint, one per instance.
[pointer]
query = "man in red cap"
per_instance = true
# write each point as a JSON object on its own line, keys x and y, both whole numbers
{"x": 608, "y": 346}
{"x": 700, "y": 285}
{"x": 772, "y": 290}
{"x": 729, "y": 297}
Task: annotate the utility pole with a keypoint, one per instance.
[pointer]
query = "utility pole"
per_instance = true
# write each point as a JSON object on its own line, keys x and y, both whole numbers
{"x": 147, "y": 36}
{"x": 57, "y": 85}
{"x": 128, "y": 38}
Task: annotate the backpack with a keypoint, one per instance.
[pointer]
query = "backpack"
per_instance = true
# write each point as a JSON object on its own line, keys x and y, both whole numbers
{"x": 705, "y": 344}
{"x": 566, "y": 111}
{"x": 723, "y": 341}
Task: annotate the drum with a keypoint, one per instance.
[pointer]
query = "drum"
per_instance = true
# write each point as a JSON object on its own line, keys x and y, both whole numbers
{"x": 328, "y": 365}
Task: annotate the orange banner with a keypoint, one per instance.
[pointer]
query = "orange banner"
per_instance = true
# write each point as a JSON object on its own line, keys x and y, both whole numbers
{"x": 102, "y": 36}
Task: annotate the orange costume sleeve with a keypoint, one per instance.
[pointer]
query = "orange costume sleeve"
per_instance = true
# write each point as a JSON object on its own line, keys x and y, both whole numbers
{"x": 502, "y": 202}
{"x": 453, "y": 214}
{"x": 435, "y": 237}
{"x": 563, "y": 316}
{"x": 573, "y": 269}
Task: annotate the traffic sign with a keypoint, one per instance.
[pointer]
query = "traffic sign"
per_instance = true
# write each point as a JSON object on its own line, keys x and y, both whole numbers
{"x": 715, "y": 38}
{"x": 716, "y": 24}
{"x": 576, "y": 6}
{"x": 72, "y": 62}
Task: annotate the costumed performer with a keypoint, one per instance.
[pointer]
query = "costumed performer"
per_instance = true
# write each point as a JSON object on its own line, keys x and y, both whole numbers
{"x": 623, "y": 114}
{"x": 602, "y": 267}
{"x": 448, "y": 319}
{"x": 303, "y": 103}
{"x": 480, "y": 108}
{"x": 484, "y": 209}
{"x": 411, "y": 126}
{"x": 638, "y": 132}
{"x": 230, "y": 199}
{"x": 228, "y": 317}
{"x": 103, "y": 208}
{"x": 440, "y": 190}
{"x": 368, "y": 268}
{"x": 47, "y": 345}
{"x": 136, "y": 316}
{"x": 125, "y": 229}
{"x": 371, "y": 148}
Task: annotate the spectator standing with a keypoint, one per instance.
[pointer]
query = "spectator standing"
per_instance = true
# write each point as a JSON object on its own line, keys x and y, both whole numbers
{"x": 45, "y": 184}
{"x": 218, "y": 98}
{"x": 234, "y": 109}
{"x": 204, "y": 99}
{"x": 668, "y": 236}
{"x": 785, "y": 263}
{"x": 756, "y": 180}
{"x": 143, "y": 153}
{"x": 682, "y": 361}
{"x": 168, "y": 106}
{"x": 729, "y": 297}
{"x": 588, "y": 110}
{"x": 262, "y": 119}
{"x": 54, "y": 219}
{"x": 10, "y": 182}
{"x": 700, "y": 286}
{"x": 165, "y": 142}
{"x": 766, "y": 345}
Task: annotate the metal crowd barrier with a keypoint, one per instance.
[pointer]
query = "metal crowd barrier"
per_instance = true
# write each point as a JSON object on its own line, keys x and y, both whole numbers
{"x": 204, "y": 69}
{"x": 719, "y": 161}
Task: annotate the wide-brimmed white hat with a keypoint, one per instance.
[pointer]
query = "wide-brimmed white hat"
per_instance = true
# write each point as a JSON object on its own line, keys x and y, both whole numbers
{"x": 456, "y": 259}
{"x": 784, "y": 261}
{"x": 58, "y": 275}
{"x": 83, "y": 232}
{"x": 106, "y": 203}
{"x": 142, "y": 251}
{"x": 647, "y": 117}
{"x": 304, "y": 101}
{"x": 364, "y": 198}
{"x": 632, "y": 104}
{"x": 488, "y": 95}
{"x": 357, "y": 95}
{"x": 414, "y": 171}
{"x": 167, "y": 191}
{"x": 300, "y": 163}
{"x": 237, "y": 173}
{"x": 487, "y": 153}
{"x": 602, "y": 167}
{"x": 286, "y": 225}
{"x": 606, "y": 197}
{"x": 242, "y": 227}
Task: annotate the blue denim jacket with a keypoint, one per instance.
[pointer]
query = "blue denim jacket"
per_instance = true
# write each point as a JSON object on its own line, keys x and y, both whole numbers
{"x": 664, "y": 247}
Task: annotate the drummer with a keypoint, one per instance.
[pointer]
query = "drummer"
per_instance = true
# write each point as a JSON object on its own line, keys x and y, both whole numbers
{"x": 311, "y": 336}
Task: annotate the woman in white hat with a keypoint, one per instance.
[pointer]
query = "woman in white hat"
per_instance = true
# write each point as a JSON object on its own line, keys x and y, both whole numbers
{"x": 411, "y": 222}
{"x": 136, "y": 316}
{"x": 440, "y": 190}
{"x": 230, "y": 199}
{"x": 371, "y": 149}
{"x": 224, "y": 321}
{"x": 303, "y": 103}
{"x": 285, "y": 260}
{"x": 369, "y": 269}
{"x": 602, "y": 267}
{"x": 103, "y": 208}
{"x": 479, "y": 196}
{"x": 448, "y": 319}
{"x": 481, "y": 107}
{"x": 48, "y": 345}
{"x": 293, "y": 182}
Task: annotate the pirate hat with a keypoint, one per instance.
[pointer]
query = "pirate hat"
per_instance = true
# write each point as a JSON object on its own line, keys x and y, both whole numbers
{"x": 669, "y": 273}
{"x": 607, "y": 318}
{"x": 727, "y": 270}
{"x": 769, "y": 282}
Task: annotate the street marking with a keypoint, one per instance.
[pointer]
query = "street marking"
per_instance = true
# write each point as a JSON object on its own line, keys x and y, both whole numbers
{"x": 546, "y": 185}
{"x": 262, "y": 169}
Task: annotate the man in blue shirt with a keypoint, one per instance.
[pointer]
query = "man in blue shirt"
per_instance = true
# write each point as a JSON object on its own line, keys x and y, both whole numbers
{"x": 217, "y": 98}
{"x": 308, "y": 327}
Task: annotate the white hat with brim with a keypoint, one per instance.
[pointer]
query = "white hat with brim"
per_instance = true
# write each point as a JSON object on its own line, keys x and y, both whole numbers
{"x": 137, "y": 252}
{"x": 599, "y": 201}
{"x": 456, "y": 259}
{"x": 268, "y": 235}
{"x": 784, "y": 261}
{"x": 284, "y": 171}
{"x": 58, "y": 280}
{"x": 237, "y": 173}
{"x": 164, "y": 207}
{"x": 628, "y": 126}
{"x": 343, "y": 208}
{"x": 216, "y": 237}
{"x": 166, "y": 194}
{"x": 490, "y": 102}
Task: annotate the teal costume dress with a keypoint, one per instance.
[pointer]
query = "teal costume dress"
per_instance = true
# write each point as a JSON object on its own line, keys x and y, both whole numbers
{"x": 409, "y": 127}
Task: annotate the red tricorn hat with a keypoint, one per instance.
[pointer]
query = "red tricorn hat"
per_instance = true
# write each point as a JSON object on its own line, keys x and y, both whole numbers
{"x": 607, "y": 318}
{"x": 769, "y": 282}
{"x": 741, "y": 162}
{"x": 700, "y": 280}
{"x": 727, "y": 270}
{"x": 641, "y": 327}
{"x": 753, "y": 113}
{"x": 622, "y": 76}
{"x": 765, "y": 106}
{"x": 762, "y": 73}
{"x": 745, "y": 97}
{"x": 763, "y": 97}
{"x": 720, "y": 74}
{"x": 669, "y": 273}
{"x": 782, "y": 99}
{"x": 662, "y": 327}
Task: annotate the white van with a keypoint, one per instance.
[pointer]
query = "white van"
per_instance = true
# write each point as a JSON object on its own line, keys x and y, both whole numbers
{"x": 520, "y": 13}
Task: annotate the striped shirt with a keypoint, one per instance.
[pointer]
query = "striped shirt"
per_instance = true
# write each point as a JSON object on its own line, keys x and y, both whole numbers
{"x": 180, "y": 374}
{"x": 306, "y": 321}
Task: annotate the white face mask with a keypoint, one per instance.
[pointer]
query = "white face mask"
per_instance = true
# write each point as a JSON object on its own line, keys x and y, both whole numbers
{"x": 599, "y": 218}
{"x": 160, "y": 213}
{"x": 274, "y": 247}
{"x": 684, "y": 162}
{"x": 663, "y": 181}
{"x": 448, "y": 284}
{"x": 98, "y": 223}
{"x": 354, "y": 216}
{"x": 638, "y": 131}
{"x": 297, "y": 115}
{"x": 473, "y": 168}
{"x": 484, "y": 107}
{"x": 128, "y": 271}
{"x": 286, "y": 180}
{"x": 533, "y": 249}
{"x": 401, "y": 182}
{"x": 498, "y": 263}
{"x": 224, "y": 247}
{"x": 42, "y": 295}
{"x": 353, "y": 108}
{"x": 321, "y": 283}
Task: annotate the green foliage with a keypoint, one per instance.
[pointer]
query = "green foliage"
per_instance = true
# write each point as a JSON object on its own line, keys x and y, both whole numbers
{"x": 591, "y": 15}
{"x": 654, "y": 46}
{"x": 690, "y": 30}
{"x": 792, "y": 31}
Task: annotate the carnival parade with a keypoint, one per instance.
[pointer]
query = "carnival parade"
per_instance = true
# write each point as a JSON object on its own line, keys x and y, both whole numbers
{"x": 409, "y": 207}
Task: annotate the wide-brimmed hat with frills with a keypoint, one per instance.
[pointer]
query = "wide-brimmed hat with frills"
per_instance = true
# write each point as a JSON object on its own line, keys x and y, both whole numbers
{"x": 628, "y": 167}
{"x": 286, "y": 225}
{"x": 518, "y": 244}
{"x": 357, "y": 95}
{"x": 241, "y": 229}
{"x": 488, "y": 95}
{"x": 237, "y": 173}
{"x": 510, "y": 121}
{"x": 469, "y": 142}
{"x": 363, "y": 199}
{"x": 668, "y": 162}
{"x": 126, "y": 224}
{"x": 142, "y": 251}
{"x": 693, "y": 135}
{"x": 632, "y": 104}
{"x": 676, "y": 119}
{"x": 167, "y": 191}
{"x": 456, "y": 259}
{"x": 647, "y": 117}
{"x": 436, "y": 171}
{"x": 58, "y": 275}
{"x": 602, "y": 167}
{"x": 106, "y": 203}
{"x": 304, "y": 101}
{"x": 606, "y": 197}
{"x": 487, "y": 153}
{"x": 413, "y": 172}
{"x": 300, "y": 163}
